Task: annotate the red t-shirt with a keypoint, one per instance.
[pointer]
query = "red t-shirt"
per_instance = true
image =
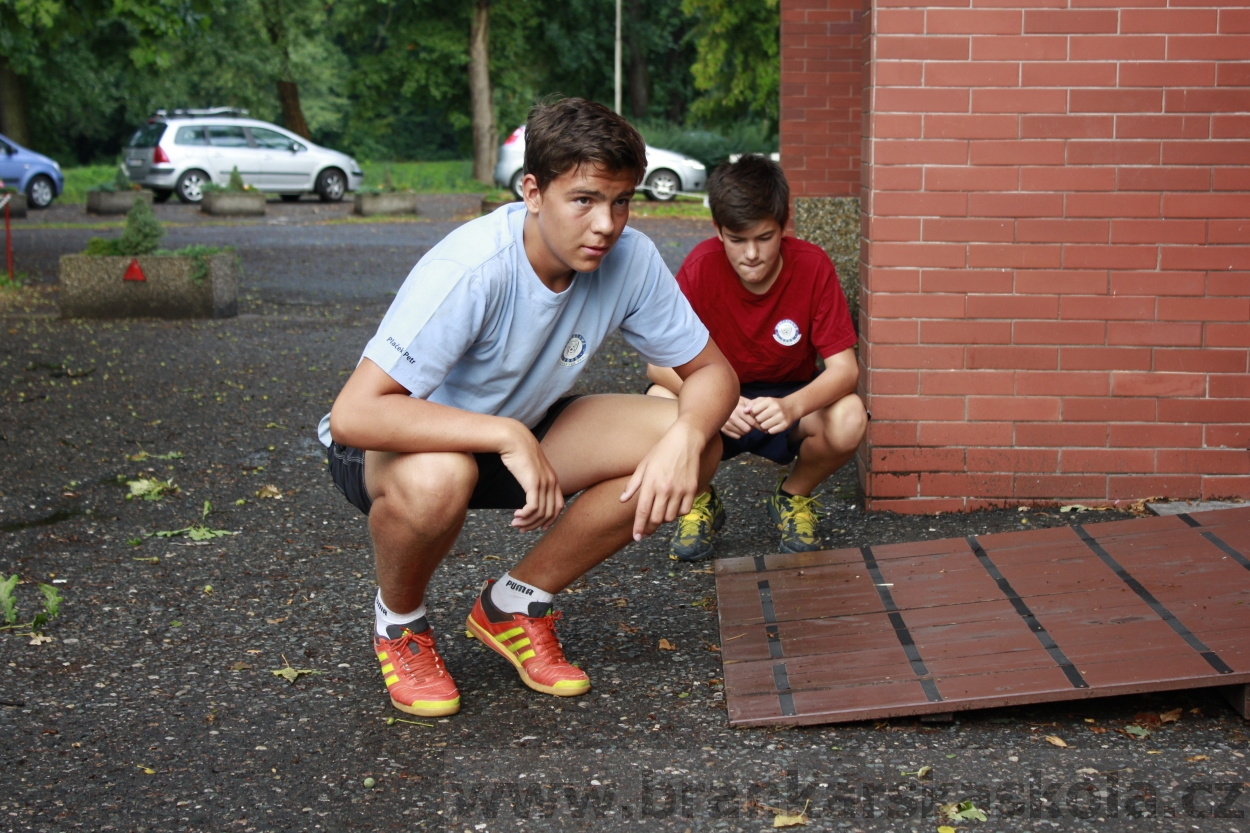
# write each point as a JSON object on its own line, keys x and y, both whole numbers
{"x": 774, "y": 337}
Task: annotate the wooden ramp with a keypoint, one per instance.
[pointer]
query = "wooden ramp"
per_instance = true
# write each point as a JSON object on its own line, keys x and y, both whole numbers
{"x": 1025, "y": 617}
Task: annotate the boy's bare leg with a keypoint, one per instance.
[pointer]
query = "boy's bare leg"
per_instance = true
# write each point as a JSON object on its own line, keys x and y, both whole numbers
{"x": 595, "y": 445}
{"x": 419, "y": 506}
{"x": 830, "y": 437}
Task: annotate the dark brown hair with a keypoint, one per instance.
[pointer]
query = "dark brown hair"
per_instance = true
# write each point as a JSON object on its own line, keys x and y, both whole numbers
{"x": 744, "y": 192}
{"x": 565, "y": 133}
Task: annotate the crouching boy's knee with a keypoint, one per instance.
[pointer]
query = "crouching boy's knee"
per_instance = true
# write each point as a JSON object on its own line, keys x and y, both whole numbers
{"x": 846, "y": 422}
{"x": 428, "y": 490}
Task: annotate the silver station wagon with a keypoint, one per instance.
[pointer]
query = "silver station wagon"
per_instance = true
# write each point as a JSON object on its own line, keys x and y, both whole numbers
{"x": 180, "y": 151}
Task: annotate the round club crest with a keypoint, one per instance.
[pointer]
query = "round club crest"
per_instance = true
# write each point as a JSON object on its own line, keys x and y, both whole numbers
{"x": 787, "y": 333}
{"x": 574, "y": 351}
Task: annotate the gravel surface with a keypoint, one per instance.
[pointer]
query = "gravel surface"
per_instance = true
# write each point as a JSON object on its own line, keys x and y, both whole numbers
{"x": 156, "y": 705}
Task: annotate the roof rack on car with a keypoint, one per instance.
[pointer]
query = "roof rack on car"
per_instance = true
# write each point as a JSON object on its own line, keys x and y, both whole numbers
{"x": 181, "y": 113}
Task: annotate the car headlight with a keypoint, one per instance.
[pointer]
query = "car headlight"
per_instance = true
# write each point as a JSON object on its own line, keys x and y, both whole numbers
{"x": 696, "y": 165}
{"x": 56, "y": 164}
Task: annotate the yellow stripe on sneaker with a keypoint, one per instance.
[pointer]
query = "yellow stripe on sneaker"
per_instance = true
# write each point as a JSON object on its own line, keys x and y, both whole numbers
{"x": 382, "y": 656}
{"x": 508, "y": 634}
{"x": 391, "y": 680}
{"x": 523, "y": 657}
{"x": 516, "y": 646}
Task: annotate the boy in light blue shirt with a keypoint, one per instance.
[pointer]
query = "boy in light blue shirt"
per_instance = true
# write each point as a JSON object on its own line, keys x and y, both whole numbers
{"x": 459, "y": 402}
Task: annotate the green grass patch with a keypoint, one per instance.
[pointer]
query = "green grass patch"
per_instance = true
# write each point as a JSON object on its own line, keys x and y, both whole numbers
{"x": 78, "y": 181}
{"x": 455, "y": 177}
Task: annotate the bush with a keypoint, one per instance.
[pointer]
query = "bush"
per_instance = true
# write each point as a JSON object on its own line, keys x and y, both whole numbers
{"x": 120, "y": 181}
{"x": 141, "y": 236}
{"x": 708, "y": 146}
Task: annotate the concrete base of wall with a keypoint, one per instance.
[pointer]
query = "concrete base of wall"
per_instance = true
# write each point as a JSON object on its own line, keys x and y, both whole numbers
{"x": 832, "y": 223}
{"x": 96, "y": 287}
{"x": 234, "y": 203}
{"x": 115, "y": 202}
{"x": 370, "y": 205}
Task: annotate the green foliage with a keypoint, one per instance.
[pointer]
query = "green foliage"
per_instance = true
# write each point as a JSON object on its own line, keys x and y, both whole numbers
{"x": 738, "y": 64}
{"x": 79, "y": 180}
{"x": 50, "y": 608}
{"x": 236, "y": 181}
{"x": 199, "y": 255}
{"x": 8, "y": 602}
{"x": 141, "y": 236}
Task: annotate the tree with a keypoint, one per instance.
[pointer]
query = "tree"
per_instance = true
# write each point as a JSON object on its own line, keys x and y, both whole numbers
{"x": 482, "y": 105}
{"x": 737, "y": 68}
{"x": 288, "y": 90}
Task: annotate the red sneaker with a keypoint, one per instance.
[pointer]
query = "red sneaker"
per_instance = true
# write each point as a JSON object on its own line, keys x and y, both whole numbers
{"x": 415, "y": 676}
{"x": 529, "y": 643}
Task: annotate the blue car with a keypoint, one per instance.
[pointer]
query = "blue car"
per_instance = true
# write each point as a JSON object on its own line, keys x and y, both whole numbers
{"x": 33, "y": 174}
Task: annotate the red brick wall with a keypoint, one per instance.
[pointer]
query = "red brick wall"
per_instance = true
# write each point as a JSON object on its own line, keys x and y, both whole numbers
{"x": 821, "y": 94}
{"x": 1056, "y": 253}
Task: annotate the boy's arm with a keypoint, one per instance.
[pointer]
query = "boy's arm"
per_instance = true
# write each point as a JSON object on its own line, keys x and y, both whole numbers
{"x": 665, "y": 377}
{"x": 839, "y": 378}
{"x": 375, "y": 412}
{"x": 667, "y": 479}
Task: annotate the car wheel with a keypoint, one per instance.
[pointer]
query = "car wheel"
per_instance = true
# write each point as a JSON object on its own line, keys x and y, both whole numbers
{"x": 663, "y": 185}
{"x": 289, "y": 197}
{"x": 161, "y": 194}
{"x": 40, "y": 192}
{"x": 190, "y": 187}
{"x": 516, "y": 184}
{"x": 331, "y": 185}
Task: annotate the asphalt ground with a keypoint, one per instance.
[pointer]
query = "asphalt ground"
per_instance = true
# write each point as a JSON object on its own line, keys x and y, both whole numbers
{"x": 155, "y": 702}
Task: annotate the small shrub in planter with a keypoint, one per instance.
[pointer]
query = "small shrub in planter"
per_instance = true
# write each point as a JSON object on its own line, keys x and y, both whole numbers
{"x": 116, "y": 197}
{"x": 129, "y": 277}
{"x": 234, "y": 200}
{"x": 385, "y": 199}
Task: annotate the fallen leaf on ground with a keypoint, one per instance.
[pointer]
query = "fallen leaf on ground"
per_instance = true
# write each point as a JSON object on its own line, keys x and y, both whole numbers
{"x": 624, "y": 628}
{"x": 1055, "y": 741}
{"x": 784, "y": 818}
{"x": 1193, "y": 759}
{"x": 1170, "y": 716}
{"x": 665, "y": 645}
{"x": 962, "y": 811}
{"x": 269, "y": 491}
{"x": 39, "y": 639}
{"x": 1137, "y": 731}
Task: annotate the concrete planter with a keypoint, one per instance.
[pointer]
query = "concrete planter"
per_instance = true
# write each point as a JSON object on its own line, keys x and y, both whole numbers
{"x": 369, "y": 205}
{"x": 93, "y": 286}
{"x": 17, "y": 206}
{"x": 234, "y": 203}
{"x": 489, "y": 205}
{"x": 115, "y": 202}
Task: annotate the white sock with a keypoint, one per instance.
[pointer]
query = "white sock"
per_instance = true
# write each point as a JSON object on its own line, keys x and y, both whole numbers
{"x": 383, "y": 616}
{"x": 512, "y": 596}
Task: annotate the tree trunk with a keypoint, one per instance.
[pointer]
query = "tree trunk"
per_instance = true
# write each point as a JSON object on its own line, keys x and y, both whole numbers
{"x": 481, "y": 101}
{"x": 288, "y": 90}
{"x": 13, "y": 121}
{"x": 292, "y": 112}
{"x": 639, "y": 78}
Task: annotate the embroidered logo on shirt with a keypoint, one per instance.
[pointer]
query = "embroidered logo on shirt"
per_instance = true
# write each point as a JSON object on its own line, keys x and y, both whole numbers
{"x": 574, "y": 352}
{"x": 786, "y": 332}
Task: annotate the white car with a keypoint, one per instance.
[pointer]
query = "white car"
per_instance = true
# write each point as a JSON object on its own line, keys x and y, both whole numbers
{"x": 668, "y": 173}
{"x": 180, "y": 151}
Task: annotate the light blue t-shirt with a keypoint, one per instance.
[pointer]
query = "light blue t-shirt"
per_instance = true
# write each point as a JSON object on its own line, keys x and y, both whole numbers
{"x": 473, "y": 327}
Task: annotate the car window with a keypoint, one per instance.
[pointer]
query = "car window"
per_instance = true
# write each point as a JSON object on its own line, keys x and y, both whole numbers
{"x": 190, "y": 136}
{"x": 226, "y": 135}
{"x": 148, "y": 136}
{"x": 266, "y": 138}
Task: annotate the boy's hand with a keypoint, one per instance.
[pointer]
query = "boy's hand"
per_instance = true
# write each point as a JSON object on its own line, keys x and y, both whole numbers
{"x": 740, "y": 422}
{"x": 667, "y": 479}
{"x": 544, "y": 499}
{"x": 771, "y": 415}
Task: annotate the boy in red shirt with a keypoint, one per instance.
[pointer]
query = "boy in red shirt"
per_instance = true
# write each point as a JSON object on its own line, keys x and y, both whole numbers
{"x": 773, "y": 304}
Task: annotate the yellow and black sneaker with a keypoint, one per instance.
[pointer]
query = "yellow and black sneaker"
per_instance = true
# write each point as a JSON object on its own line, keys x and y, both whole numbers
{"x": 795, "y": 517}
{"x": 692, "y": 540}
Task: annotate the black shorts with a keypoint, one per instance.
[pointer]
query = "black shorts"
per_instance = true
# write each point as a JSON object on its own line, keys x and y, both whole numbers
{"x": 780, "y": 448}
{"x": 496, "y": 487}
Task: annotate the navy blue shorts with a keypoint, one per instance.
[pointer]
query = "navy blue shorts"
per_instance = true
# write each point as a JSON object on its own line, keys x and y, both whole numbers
{"x": 781, "y": 447}
{"x": 496, "y": 487}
